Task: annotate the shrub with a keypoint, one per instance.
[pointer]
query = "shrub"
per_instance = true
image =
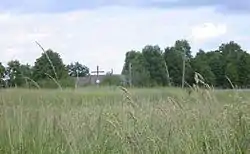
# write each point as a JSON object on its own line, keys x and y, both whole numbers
{"x": 48, "y": 83}
{"x": 111, "y": 80}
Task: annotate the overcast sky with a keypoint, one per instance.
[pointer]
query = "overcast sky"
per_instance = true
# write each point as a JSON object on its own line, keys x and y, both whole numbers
{"x": 100, "y": 32}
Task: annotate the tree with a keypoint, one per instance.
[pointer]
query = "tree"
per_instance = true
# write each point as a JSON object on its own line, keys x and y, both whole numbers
{"x": 231, "y": 54}
{"x": 155, "y": 64}
{"x": 49, "y": 64}
{"x": 77, "y": 70}
{"x": 200, "y": 65}
{"x": 173, "y": 61}
{"x": 130, "y": 55}
{"x": 26, "y": 73}
{"x": 216, "y": 63}
{"x": 139, "y": 74}
{"x": 244, "y": 70}
{"x": 14, "y": 73}
{"x": 2, "y": 70}
{"x": 174, "y": 57}
{"x": 2, "y": 74}
{"x": 184, "y": 47}
{"x": 26, "y": 70}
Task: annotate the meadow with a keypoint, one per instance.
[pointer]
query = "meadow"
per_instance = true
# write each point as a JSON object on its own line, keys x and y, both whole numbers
{"x": 129, "y": 121}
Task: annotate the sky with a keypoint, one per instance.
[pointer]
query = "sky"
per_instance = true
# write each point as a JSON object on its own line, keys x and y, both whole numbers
{"x": 100, "y": 32}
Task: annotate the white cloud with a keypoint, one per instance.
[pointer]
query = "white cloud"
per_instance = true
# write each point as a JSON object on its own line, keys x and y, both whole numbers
{"x": 103, "y": 36}
{"x": 208, "y": 31}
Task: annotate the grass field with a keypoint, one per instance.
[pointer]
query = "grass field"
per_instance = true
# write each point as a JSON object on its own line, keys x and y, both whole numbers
{"x": 112, "y": 120}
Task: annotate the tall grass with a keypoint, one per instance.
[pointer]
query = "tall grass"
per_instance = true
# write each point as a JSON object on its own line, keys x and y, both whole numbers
{"x": 123, "y": 121}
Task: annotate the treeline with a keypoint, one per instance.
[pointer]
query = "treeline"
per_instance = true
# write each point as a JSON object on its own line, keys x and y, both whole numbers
{"x": 155, "y": 67}
{"x": 150, "y": 67}
{"x": 48, "y": 71}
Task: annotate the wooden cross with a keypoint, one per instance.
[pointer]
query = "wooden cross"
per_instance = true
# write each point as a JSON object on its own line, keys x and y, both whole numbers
{"x": 97, "y": 72}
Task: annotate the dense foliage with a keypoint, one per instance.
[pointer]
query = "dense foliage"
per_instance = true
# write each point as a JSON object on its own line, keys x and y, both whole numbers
{"x": 152, "y": 66}
{"x": 157, "y": 67}
{"x": 49, "y": 71}
{"x": 78, "y": 70}
{"x": 50, "y": 65}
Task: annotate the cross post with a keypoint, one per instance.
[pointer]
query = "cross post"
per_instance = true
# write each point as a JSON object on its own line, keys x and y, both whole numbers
{"x": 97, "y": 74}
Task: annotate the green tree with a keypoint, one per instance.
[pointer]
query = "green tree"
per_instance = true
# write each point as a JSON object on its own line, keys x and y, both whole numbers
{"x": 2, "y": 70}
{"x": 174, "y": 57}
{"x": 26, "y": 70}
{"x": 130, "y": 55}
{"x": 231, "y": 54}
{"x": 216, "y": 63}
{"x": 139, "y": 73}
{"x": 244, "y": 70}
{"x": 155, "y": 64}
{"x": 2, "y": 74}
{"x": 173, "y": 61}
{"x": 14, "y": 73}
{"x": 200, "y": 64}
{"x": 49, "y": 64}
{"x": 184, "y": 47}
{"x": 77, "y": 69}
{"x": 26, "y": 73}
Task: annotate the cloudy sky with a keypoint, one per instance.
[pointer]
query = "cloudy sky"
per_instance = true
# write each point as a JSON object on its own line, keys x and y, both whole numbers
{"x": 100, "y": 32}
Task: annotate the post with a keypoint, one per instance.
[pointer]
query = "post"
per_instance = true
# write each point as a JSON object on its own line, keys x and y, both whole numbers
{"x": 130, "y": 74}
{"x": 97, "y": 73}
{"x": 77, "y": 79}
{"x": 168, "y": 78}
{"x": 183, "y": 68}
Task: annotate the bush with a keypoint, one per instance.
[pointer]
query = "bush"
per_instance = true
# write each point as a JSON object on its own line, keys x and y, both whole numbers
{"x": 49, "y": 83}
{"x": 111, "y": 80}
